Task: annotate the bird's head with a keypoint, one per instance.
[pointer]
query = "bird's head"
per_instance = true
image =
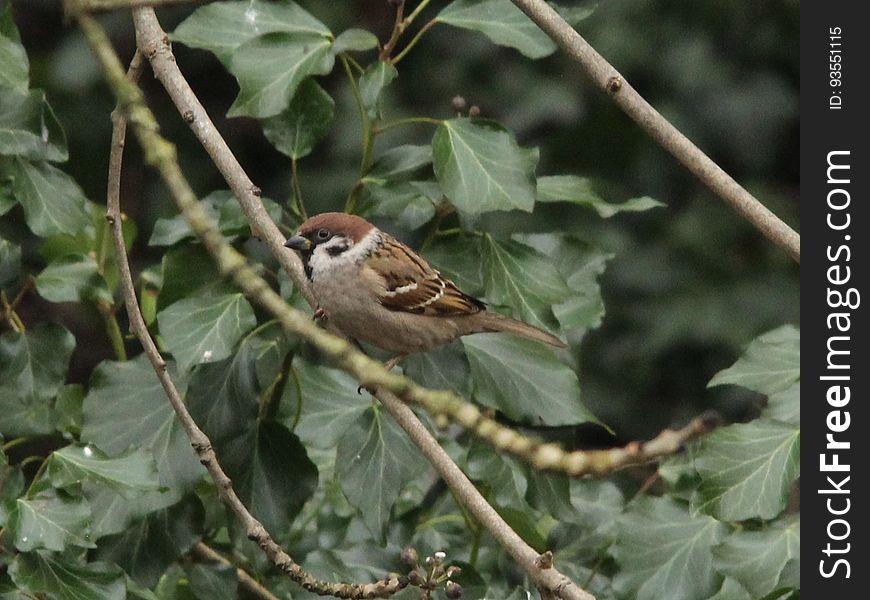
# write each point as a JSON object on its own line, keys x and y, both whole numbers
{"x": 330, "y": 239}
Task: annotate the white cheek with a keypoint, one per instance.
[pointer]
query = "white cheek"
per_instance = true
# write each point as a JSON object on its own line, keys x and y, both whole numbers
{"x": 322, "y": 263}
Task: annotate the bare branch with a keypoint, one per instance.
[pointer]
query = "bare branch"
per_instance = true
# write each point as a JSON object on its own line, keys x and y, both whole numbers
{"x": 249, "y": 583}
{"x": 200, "y": 442}
{"x": 92, "y": 6}
{"x": 608, "y": 79}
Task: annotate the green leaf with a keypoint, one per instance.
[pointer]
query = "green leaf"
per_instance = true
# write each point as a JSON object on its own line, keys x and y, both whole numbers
{"x": 402, "y": 202}
{"x": 770, "y": 364}
{"x": 481, "y": 168}
{"x": 128, "y": 473}
{"x": 578, "y": 190}
{"x": 221, "y": 27}
{"x": 52, "y": 201}
{"x": 213, "y": 582}
{"x": 525, "y": 380}
{"x": 33, "y": 367}
{"x": 205, "y": 328}
{"x": 270, "y": 69}
{"x": 375, "y": 460}
{"x": 502, "y": 22}
{"x": 126, "y": 406}
{"x": 146, "y": 549}
{"x": 785, "y": 406}
{"x": 62, "y": 578}
{"x": 13, "y": 58}
{"x": 28, "y": 126}
{"x": 444, "y": 368}
{"x": 448, "y": 255}
{"x": 304, "y": 123}
{"x": 114, "y": 512}
{"x": 665, "y": 553}
{"x": 330, "y": 404}
{"x": 10, "y": 261}
{"x": 271, "y": 473}
{"x": 522, "y": 278}
{"x": 731, "y": 590}
{"x": 400, "y": 163}
{"x": 185, "y": 271}
{"x": 372, "y": 83}
{"x": 747, "y": 470}
{"x": 354, "y": 40}
{"x": 757, "y": 559}
{"x": 51, "y": 522}
{"x": 580, "y": 264}
{"x": 68, "y": 409}
{"x": 222, "y": 396}
{"x": 504, "y": 477}
{"x": 73, "y": 278}
{"x": 11, "y": 486}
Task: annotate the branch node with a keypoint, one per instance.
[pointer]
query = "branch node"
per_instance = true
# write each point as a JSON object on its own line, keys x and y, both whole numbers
{"x": 256, "y": 191}
{"x": 544, "y": 560}
{"x": 614, "y": 84}
{"x": 188, "y": 116}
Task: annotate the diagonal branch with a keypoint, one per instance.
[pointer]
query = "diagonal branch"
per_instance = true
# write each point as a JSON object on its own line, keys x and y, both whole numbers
{"x": 608, "y": 79}
{"x": 200, "y": 442}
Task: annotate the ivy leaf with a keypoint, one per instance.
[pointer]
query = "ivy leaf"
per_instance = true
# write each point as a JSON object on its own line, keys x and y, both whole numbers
{"x": 444, "y": 368}
{"x": 129, "y": 473}
{"x": 375, "y": 460}
{"x": 13, "y": 58}
{"x": 126, "y": 406}
{"x": 503, "y": 475}
{"x": 481, "y": 168}
{"x": 399, "y": 164}
{"x": 59, "y": 576}
{"x": 28, "y": 126}
{"x": 757, "y": 559}
{"x": 524, "y": 379}
{"x": 146, "y": 549}
{"x": 770, "y": 364}
{"x": 11, "y": 486}
{"x": 271, "y": 473}
{"x": 271, "y": 67}
{"x": 578, "y": 190}
{"x": 214, "y": 581}
{"x": 73, "y": 278}
{"x": 221, "y": 27}
{"x": 502, "y": 22}
{"x": 372, "y": 83}
{"x": 307, "y": 120}
{"x": 52, "y": 201}
{"x": 205, "y": 328}
{"x": 10, "y": 261}
{"x": 185, "y": 271}
{"x": 657, "y": 544}
{"x": 51, "y": 522}
{"x": 785, "y": 406}
{"x": 731, "y": 590}
{"x": 448, "y": 256}
{"x": 747, "y": 469}
{"x": 402, "y": 202}
{"x": 330, "y": 404}
{"x": 522, "y": 278}
{"x": 33, "y": 367}
{"x": 354, "y": 40}
{"x": 222, "y": 396}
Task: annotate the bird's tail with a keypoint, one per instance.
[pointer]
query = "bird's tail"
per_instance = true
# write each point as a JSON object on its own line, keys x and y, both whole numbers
{"x": 492, "y": 321}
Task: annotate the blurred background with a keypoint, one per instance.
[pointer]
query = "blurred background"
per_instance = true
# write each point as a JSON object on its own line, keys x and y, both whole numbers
{"x": 688, "y": 286}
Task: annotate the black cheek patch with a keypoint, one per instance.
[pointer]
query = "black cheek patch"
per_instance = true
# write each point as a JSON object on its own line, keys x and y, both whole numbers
{"x": 338, "y": 249}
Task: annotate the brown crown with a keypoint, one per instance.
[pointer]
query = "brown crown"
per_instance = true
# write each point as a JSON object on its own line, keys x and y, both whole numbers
{"x": 350, "y": 226}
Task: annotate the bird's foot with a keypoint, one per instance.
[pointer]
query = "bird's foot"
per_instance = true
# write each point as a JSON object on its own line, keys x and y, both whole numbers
{"x": 389, "y": 365}
{"x": 319, "y": 314}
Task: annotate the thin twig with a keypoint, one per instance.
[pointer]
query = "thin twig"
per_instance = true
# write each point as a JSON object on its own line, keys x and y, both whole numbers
{"x": 607, "y": 78}
{"x": 200, "y": 442}
{"x": 249, "y": 583}
{"x": 92, "y": 6}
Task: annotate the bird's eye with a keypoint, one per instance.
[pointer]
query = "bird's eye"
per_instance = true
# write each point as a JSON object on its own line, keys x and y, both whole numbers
{"x": 322, "y": 234}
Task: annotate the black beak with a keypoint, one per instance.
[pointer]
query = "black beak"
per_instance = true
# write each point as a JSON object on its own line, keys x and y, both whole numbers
{"x": 297, "y": 242}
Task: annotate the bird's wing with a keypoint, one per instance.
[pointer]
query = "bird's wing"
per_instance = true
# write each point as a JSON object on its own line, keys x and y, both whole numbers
{"x": 411, "y": 285}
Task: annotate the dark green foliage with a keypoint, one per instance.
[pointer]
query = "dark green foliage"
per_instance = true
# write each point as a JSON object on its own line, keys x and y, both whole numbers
{"x": 540, "y": 206}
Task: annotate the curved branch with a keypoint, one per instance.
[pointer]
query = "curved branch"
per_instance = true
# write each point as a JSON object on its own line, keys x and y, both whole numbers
{"x": 200, "y": 442}
{"x": 608, "y": 79}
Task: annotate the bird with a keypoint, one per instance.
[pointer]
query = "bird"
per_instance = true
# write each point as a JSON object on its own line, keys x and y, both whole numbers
{"x": 375, "y": 289}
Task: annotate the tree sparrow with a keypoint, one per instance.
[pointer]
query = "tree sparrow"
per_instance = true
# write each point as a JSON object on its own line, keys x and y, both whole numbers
{"x": 375, "y": 289}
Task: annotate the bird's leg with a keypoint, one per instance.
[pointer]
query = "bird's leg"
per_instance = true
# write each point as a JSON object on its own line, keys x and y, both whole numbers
{"x": 389, "y": 365}
{"x": 319, "y": 314}
{"x": 393, "y": 361}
